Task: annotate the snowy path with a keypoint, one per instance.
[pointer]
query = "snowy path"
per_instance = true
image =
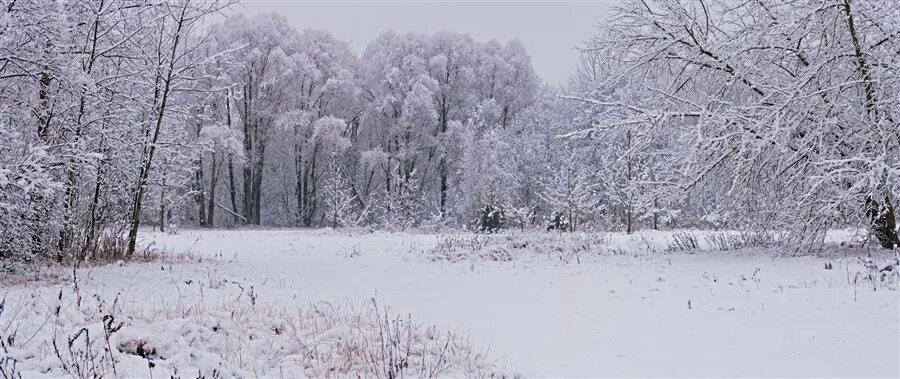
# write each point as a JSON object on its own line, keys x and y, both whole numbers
{"x": 609, "y": 316}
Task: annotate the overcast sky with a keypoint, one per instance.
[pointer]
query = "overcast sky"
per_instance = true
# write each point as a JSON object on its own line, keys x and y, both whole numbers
{"x": 550, "y": 29}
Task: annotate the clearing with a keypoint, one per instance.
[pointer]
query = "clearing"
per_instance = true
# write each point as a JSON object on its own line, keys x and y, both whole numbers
{"x": 540, "y": 304}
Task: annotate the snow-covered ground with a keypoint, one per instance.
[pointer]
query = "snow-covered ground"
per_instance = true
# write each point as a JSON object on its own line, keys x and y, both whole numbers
{"x": 552, "y": 305}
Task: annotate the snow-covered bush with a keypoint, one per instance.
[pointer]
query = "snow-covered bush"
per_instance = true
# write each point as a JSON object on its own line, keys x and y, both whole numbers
{"x": 28, "y": 194}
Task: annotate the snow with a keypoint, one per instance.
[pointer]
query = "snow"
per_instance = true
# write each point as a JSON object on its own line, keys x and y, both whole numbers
{"x": 618, "y": 306}
{"x": 615, "y": 316}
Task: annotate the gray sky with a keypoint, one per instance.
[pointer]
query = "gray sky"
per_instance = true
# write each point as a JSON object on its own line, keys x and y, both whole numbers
{"x": 549, "y": 29}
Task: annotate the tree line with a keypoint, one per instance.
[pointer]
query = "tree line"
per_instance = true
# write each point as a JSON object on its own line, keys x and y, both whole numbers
{"x": 115, "y": 114}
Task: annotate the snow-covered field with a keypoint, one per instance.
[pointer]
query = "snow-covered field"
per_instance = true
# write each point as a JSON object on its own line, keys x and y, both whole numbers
{"x": 538, "y": 305}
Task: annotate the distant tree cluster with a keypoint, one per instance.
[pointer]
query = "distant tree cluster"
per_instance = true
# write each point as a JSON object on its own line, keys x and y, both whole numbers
{"x": 391, "y": 138}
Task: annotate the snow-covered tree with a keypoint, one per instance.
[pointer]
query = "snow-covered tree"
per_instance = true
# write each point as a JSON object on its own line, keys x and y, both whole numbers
{"x": 89, "y": 87}
{"x": 782, "y": 111}
{"x": 571, "y": 193}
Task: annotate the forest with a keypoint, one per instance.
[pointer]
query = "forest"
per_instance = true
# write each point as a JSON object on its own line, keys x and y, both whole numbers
{"x": 117, "y": 114}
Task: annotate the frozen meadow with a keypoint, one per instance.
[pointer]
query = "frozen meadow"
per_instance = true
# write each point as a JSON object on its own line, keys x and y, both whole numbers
{"x": 289, "y": 303}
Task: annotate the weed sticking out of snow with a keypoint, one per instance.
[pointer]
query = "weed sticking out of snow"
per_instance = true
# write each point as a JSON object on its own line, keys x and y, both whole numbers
{"x": 683, "y": 241}
{"x": 52, "y": 334}
{"x": 693, "y": 241}
{"x": 558, "y": 247}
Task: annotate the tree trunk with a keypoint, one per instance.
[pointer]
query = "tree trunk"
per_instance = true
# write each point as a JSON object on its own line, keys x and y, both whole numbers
{"x": 213, "y": 180}
{"x": 301, "y": 198}
{"x": 628, "y": 223}
{"x": 162, "y": 205}
{"x": 311, "y": 188}
{"x": 256, "y": 183}
{"x": 630, "y": 190}
{"x": 444, "y": 188}
{"x": 232, "y": 189}
{"x": 249, "y": 160}
{"x": 257, "y": 194}
{"x": 442, "y": 165}
{"x": 95, "y": 201}
{"x": 655, "y": 214}
{"x": 248, "y": 191}
{"x": 884, "y": 222}
{"x": 200, "y": 197}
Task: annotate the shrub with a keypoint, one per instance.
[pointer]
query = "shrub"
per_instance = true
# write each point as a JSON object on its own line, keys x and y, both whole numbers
{"x": 559, "y": 222}
{"x": 491, "y": 218}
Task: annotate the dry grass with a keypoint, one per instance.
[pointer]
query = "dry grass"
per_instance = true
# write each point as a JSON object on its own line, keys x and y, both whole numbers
{"x": 513, "y": 246}
{"x": 242, "y": 337}
{"x": 48, "y": 271}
